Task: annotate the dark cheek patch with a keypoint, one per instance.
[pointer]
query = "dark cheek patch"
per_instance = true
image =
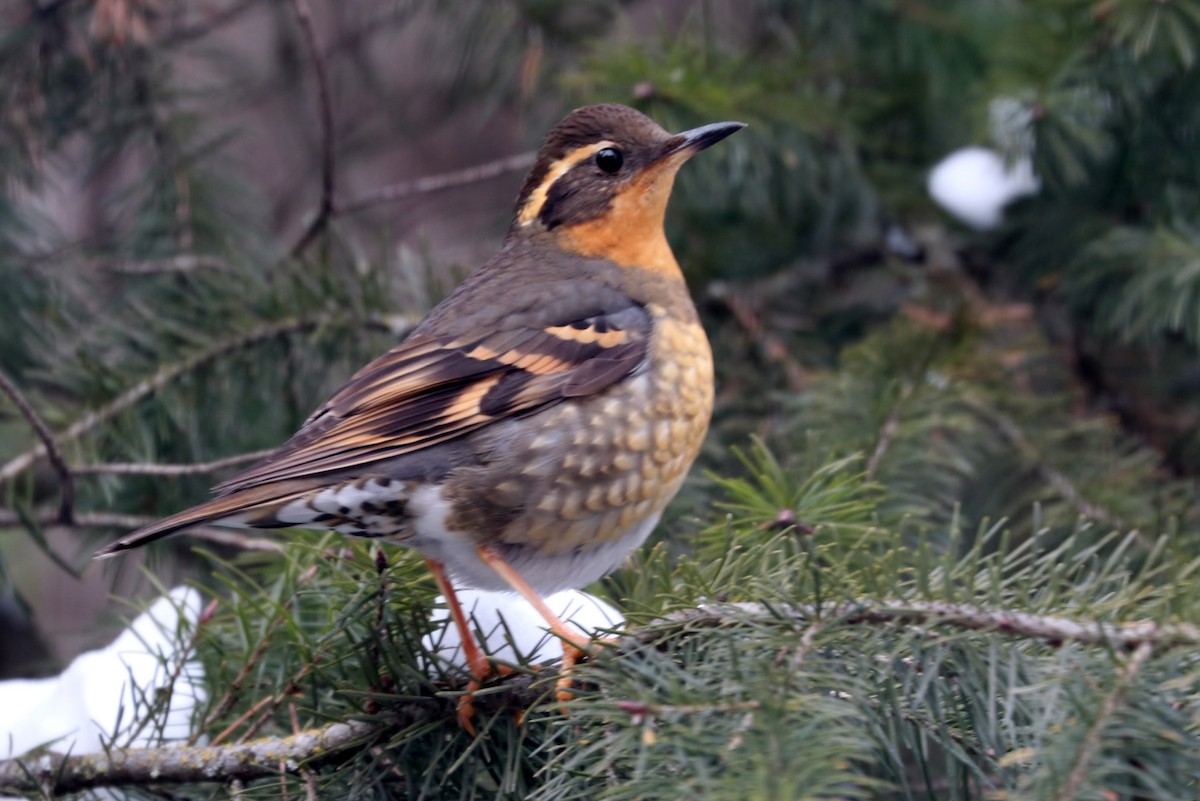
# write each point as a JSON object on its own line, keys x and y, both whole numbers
{"x": 577, "y": 197}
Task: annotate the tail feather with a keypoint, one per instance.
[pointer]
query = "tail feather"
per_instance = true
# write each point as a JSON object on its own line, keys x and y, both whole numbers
{"x": 253, "y": 506}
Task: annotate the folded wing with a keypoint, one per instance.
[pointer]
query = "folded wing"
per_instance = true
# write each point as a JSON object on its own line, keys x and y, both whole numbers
{"x": 429, "y": 390}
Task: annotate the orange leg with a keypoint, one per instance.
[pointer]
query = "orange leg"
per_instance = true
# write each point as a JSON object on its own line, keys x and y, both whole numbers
{"x": 575, "y": 644}
{"x": 477, "y": 663}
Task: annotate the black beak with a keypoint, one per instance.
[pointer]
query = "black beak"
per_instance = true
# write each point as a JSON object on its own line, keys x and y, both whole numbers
{"x": 697, "y": 139}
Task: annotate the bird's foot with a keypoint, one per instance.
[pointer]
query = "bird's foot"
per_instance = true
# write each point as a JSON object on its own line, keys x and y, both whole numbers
{"x": 573, "y": 654}
{"x": 481, "y": 669}
{"x": 478, "y": 664}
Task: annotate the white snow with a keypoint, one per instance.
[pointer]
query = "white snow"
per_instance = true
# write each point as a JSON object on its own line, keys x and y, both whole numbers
{"x": 506, "y": 620}
{"x": 80, "y": 709}
{"x": 974, "y": 184}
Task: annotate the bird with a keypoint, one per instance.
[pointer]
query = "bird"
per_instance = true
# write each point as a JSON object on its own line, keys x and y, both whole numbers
{"x": 529, "y": 432}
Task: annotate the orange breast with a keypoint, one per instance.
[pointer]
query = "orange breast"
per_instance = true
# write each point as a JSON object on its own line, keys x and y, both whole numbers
{"x": 603, "y": 465}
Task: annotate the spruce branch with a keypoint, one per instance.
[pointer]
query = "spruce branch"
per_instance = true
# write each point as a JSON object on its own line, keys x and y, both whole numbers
{"x": 314, "y": 748}
{"x": 1125, "y": 675}
{"x": 56, "y": 774}
{"x": 1051, "y": 629}
{"x": 66, "y": 509}
{"x": 168, "y": 373}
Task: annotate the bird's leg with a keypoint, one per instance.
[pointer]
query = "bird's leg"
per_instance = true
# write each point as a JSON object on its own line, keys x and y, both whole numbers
{"x": 575, "y": 643}
{"x": 477, "y": 663}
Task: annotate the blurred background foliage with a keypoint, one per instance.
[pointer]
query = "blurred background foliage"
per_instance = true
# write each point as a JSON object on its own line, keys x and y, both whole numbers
{"x": 192, "y": 258}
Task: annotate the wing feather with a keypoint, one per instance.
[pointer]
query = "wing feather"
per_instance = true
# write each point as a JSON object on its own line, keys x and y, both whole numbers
{"x": 428, "y": 391}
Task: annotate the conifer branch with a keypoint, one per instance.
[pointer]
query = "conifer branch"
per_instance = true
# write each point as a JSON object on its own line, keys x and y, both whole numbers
{"x": 66, "y": 509}
{"x": 1125, "y": 676}
{"x": 164, "y": 376}
{"x": 1052, "y": 629}
{"x": 56, "y": 774}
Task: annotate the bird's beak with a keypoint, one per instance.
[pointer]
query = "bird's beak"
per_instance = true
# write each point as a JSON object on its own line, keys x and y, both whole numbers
{"x": 689, "y": 143}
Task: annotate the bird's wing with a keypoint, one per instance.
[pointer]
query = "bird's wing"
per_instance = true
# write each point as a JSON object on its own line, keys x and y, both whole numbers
{"x": 431, "y": 390}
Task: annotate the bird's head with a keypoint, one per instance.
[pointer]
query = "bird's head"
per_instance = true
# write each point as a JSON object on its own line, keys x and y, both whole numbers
{"x": 602, "y": 180}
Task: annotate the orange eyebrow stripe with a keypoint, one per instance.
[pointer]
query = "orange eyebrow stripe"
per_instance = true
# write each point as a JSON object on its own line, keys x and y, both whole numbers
{"x": 537, "y": 198}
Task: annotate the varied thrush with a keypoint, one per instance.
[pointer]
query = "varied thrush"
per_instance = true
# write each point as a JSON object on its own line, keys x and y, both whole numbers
{"x": 529, "y": 432}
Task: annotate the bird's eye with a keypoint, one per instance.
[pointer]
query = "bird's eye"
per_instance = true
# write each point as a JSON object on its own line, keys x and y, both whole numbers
{"x": 609, "y": 159}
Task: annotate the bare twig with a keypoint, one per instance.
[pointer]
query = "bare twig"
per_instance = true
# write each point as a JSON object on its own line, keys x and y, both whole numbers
{"x": 162, "y": 700}
{"x": 772, "y": 348}
{"x": 183, "y": 263}
{"x": 261, "y": 704}
{"x": 66, "y": 509}
{"x": 267, "y": 706}
{"x": 234, "y": 688}
{"x": 325, "y": 107}
{"x": 213, "y": 20}
{"x": 641, "y": 709}
{"x": 310, "y": 779}
{"x": 1125, "y": 676}
{"x": 887, "y": 432}
{"x": 1063, "y": 485}
{"x": 82, "y": 520}
{"x": 310, "y": 786}
{"x": 157, "y": 469}
{"x": 232, "y": 538}
{"x": 435, "y": 183}
{"x": 803, "y": 649}
{"x": 1052, "y": 629}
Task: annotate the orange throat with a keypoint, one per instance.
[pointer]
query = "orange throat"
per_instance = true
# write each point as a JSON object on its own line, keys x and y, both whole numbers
{"x": 631, "y": 233}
